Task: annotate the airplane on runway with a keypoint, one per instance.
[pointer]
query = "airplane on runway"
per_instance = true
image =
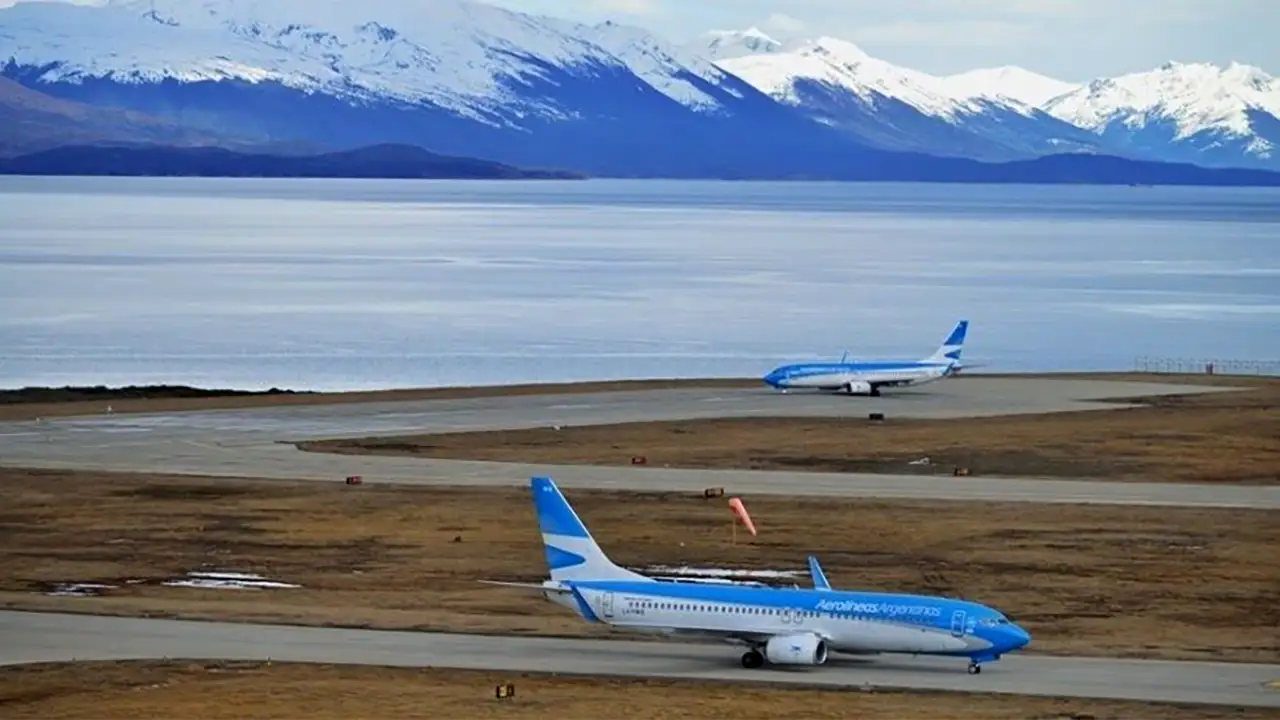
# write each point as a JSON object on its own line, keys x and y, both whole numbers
{"x": 866, "y": 377}
{"x": 783, "y": 626}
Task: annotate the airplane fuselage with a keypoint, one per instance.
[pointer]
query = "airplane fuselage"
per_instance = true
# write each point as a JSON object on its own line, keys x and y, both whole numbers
{"x": 866, "y": 377}
{"x": 856, "y": 376}
{"x": 850, "y": 622}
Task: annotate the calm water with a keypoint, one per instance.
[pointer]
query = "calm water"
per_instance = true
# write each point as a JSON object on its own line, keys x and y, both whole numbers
{"x": 365, "y": 284}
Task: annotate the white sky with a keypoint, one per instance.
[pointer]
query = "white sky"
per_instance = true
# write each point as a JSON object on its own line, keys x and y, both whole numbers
{"x": 1074, "y": 40}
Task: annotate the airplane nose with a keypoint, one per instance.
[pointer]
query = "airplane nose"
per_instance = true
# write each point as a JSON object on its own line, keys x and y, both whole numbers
{"x": 773, "y": 378}
{"x": 1019, "y": 637}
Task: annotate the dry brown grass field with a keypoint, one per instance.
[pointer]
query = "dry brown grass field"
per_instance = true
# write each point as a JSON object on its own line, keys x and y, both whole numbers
{"x": 1149, "y": 582}
{"x": 256, "y": 691}
{"x": 1229, "y": 437}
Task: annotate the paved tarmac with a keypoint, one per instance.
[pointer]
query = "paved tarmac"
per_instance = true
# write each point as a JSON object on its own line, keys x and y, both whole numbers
{"x": 46, "y": 637}
{"x": 257, "y": 442}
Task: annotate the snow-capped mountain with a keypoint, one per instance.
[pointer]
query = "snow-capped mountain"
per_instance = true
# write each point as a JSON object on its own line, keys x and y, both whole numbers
{"x": 1193, "y": 112}
{"x": 470, "y": 58}
{"x": 726, "y": 44}
{"x": 462, "y": 77}
{"x": 838, "y": 84}
{"x": 456, "y": 76}
{"x": 1008, "y": 83}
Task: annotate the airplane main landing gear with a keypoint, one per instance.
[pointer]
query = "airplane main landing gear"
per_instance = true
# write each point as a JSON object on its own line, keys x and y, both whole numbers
{"x": 974, "y": 668}
{"x": 752, "y": 659}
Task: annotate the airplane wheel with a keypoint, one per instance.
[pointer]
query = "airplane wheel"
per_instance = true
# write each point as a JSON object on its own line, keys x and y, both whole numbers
{"x": 752, "y": 659}
{"x": 975, "y": 669}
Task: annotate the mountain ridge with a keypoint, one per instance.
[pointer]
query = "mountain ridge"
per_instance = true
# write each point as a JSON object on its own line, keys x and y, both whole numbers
{"x": 465, "y": 78}
{"x": 836, "y": 83}
{"x": 1222, "y": 116}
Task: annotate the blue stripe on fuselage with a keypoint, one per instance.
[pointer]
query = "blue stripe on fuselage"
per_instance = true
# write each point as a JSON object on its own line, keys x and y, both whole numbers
{"x": 889, "y": 606}
{"x": 584, "y": 607}
{"x": 803, "y": 370}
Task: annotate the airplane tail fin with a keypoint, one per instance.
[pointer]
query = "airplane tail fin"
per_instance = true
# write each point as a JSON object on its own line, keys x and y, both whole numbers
{"x": 571, "y": 552}
{"x": 950, "y": 349}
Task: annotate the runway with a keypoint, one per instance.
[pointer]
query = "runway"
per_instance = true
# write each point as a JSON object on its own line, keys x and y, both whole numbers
{"x": 257, "y": 443}
{"x": 41, "y": 637}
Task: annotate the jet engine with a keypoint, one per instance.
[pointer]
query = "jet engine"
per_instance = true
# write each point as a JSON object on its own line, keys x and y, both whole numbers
{"x": 798, "y": 649}
{"x": 858, "y": 387}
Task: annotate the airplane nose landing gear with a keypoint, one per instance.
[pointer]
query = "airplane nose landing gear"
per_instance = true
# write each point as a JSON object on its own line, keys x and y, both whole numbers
{"x": 977, "y": 661}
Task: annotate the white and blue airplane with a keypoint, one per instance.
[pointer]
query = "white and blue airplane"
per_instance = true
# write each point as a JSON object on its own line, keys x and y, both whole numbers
{"x": 784, "y": 626}
{"x": 866, "y": 377}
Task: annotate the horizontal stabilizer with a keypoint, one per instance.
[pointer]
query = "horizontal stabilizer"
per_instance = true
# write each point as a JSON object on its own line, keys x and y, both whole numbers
{"x": 529, "y": 586}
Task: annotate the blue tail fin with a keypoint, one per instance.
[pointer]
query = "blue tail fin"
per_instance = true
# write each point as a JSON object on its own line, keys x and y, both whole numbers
{"x": 950, "y": 349}
{"x": 570, "y": 551}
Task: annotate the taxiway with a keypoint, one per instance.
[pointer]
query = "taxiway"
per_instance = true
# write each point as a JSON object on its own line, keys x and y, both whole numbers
{"x": 259, "y": 442}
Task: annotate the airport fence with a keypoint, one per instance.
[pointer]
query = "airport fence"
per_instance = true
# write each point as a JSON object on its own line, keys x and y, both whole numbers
{"x": 1206, "y": 366}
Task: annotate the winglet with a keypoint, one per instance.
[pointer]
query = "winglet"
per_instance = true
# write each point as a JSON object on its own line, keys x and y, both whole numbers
{"x": 819, "y": 577}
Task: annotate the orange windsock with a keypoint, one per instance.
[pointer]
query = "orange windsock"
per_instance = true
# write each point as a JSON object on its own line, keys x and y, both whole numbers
{"x": 741, "y": 511}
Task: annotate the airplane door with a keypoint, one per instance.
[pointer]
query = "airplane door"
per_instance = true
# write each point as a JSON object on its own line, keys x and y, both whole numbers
{"x": 606, "y": 605}
{"x": 957, "y": 623}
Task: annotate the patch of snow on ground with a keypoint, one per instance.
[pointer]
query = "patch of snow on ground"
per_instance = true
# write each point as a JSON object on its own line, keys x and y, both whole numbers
{"x": 227, "y": 581}
{"x": 725, "y": 573}
{"x": 78, "y": 589}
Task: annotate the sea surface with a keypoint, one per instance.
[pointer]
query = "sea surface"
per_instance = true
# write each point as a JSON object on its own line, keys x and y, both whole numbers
{"x": 336, "y": 284}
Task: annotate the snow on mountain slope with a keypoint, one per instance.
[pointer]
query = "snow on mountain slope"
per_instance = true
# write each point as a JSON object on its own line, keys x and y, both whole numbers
{"x": 843, "y": 64}
{"x": 466, "y": 78}
{"x": 840, "y": 85}
{"x": 1222, "y": 115}
{"x": 1009, "y": 83}
{"x": 659, "y": 64}
{"x": 455, "y": 76}
{"x": 457, "y": 54}
{"x": 725, "y": 44}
